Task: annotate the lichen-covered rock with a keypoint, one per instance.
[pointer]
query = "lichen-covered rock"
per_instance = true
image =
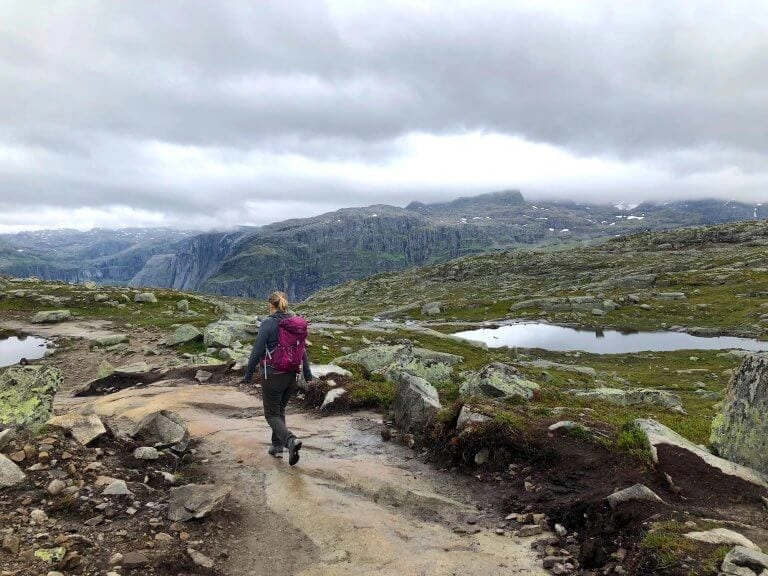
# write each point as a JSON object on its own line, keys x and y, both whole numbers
{"x": 431, "y": 309}
{"x": 216, "y": 336}
{"x": 26, "y": 394}
{"x": 51, "y": 316}
{"x": 182, "y": 305}
{"x": 145, "y": 298}
{"x": 498, "y": 380}
{"x": 394, "y": 360}
{"x": 740, "y": 431}
{"x": 183, "y": 334}
{"x": 415, "y": 405}
{"x": 633, "y": 397}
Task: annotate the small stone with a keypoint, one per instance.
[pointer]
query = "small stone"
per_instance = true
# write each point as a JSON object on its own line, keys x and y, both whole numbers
{"x": 526, "y": 531}
{"x": 6, "y": 436}
{"x": 38, "y": 516}
{"x": 146, "y": 453}
{"x": 95, "y": 521}
{"x": 116, "y": 559}
{"x": 560, "y": 530}
{"x": 11, "y": 544}
{"x": 203, "y": 376}
{"x": 56, "y": 487}
{"x": 132, "y": 559}
{"x": 117, "y": 488}
{"x": 163, "y": 537}
{"x": 18, "y": 456}
{"x": 199, "y": 558}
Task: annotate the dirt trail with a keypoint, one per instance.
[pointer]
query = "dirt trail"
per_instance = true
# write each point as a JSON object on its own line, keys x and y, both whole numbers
{"x": 353, "y": 506}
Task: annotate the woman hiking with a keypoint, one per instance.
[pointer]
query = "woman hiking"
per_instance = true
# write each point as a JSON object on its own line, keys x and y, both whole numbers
{"x": 281, "y": 355}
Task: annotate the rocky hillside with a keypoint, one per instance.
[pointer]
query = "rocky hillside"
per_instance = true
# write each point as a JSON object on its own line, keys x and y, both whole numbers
{"x": 302, "y": 256}
{"x": 705, "y": 278}
{"x": 113, "y": 256}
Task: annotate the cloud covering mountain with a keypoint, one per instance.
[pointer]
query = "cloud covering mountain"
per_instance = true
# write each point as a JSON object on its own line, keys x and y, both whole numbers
{"x": 199, "y": 114}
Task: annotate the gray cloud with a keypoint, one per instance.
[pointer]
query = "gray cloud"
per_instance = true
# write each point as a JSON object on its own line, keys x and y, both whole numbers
{"x": 174, "y": 106}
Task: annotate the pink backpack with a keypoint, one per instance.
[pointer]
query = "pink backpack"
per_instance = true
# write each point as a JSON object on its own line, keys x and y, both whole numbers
{"x": 288, "y": 355}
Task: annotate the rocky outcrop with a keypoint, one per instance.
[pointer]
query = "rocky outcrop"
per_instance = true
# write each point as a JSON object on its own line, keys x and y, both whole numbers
{"x": 393, "y": 360}
{"x": 740, "y": 431}
{"x": 498, "y": 380}
{"x": 415, "y": 405}
{"x": 633, "y": 397}
{"x": 26, "y": 395}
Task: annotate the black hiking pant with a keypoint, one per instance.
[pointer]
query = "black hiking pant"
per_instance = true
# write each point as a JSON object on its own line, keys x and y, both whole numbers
{"x": 276, "y": 390}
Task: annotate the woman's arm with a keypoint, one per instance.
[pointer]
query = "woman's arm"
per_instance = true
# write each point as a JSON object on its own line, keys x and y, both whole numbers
{"x": 259, "y": 348}
{"x": 307, "y": 371}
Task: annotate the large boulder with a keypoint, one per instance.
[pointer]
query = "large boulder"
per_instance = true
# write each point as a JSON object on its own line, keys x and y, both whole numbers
{"x": 183, "y": 334}
{"x": 498, "y": 380}
{"x": 415, "y": 405}
{"x": 51, "y": 316}
{"x": 196, "y": 501}
{"x": 215, "y": 336}
{"x": 26, "y": 395}
{"x": 163, "y": 429}
{"x": 740, "y": 431}
{"x": 145, "y": 298}
{"x": 10, "y": 474}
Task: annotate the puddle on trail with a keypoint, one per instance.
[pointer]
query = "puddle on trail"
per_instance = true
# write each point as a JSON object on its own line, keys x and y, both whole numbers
{"x": 15, "y": 348}
{"x": 563, "y": 339}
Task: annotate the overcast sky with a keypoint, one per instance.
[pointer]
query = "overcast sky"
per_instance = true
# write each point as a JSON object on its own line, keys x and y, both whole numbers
{"x": 204, "y": 114}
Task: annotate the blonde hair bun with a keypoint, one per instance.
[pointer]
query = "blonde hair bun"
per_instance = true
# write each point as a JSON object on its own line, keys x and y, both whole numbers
{"x": 279, "y": 301}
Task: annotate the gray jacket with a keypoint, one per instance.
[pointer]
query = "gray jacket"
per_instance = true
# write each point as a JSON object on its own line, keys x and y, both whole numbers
{"x": 267, "y": 340}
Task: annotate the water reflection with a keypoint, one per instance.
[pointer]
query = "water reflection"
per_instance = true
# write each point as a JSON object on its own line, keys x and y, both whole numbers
{"x": 601, "y": 341}
{"x": 13, "y": 349}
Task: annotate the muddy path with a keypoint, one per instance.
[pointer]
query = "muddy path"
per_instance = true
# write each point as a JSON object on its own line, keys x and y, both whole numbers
{"x": 354, "y": 505}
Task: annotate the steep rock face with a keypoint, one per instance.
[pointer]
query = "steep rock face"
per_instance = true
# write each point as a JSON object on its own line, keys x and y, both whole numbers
{"x": 740, "y": 431}
{"x": 190, "y": 266}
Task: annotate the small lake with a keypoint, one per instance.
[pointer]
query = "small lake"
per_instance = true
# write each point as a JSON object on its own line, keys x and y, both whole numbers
{"x": 14, "y": 349}
{"x": 562, "y": 339}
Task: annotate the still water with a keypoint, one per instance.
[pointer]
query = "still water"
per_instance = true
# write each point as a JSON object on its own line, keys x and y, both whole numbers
{"x": 14, "y": 349}
{"x": 562, "y": 339}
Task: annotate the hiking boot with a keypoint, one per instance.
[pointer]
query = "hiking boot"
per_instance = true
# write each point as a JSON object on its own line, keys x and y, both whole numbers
{"x": 275, "y": 451}
{"x": 294, "y": 446}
